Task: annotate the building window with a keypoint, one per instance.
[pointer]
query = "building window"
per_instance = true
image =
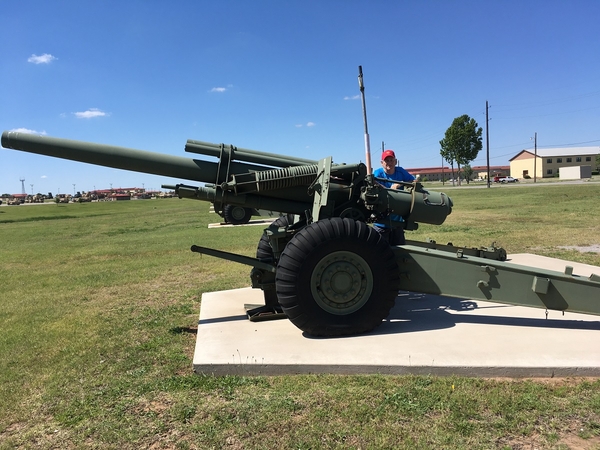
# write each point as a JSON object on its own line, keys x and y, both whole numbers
{"x": 558, "y": 160}
{"x": 569, "y": 159}
{"x": 549, "y": 160}
{"x": 588, "y": 158}
{"x": 578, "y": 159}
{"x": 549, "y": 172}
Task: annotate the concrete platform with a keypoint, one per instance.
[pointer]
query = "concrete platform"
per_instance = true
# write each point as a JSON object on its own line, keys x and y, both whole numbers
{"x": 424, "y": 334}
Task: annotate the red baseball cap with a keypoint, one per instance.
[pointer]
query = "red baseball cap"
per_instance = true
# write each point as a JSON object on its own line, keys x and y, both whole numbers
{"x": 387, "y": 153}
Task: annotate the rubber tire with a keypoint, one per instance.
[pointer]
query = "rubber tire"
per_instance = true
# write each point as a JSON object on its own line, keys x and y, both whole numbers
{"x": 310, "y": 249}
{"x": 264, "y": 252}
{"x": 236, "y": 215}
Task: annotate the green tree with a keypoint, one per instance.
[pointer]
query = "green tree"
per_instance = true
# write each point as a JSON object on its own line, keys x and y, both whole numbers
{"x": 462, "y": 142}
{"x": 598, "y": 161}
{"x": 468, "y": 172}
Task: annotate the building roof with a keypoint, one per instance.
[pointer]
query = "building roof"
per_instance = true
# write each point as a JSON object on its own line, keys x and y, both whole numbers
{"x": 558, "y": 152}
{"x": 447, "y": 169}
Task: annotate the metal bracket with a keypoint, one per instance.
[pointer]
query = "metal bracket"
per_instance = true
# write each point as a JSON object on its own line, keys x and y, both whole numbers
{"x": 320, "y": 188}
{"x": 225, "y": 157}
{"x": 261, "y": 313}
{"x": 540, "y": 285}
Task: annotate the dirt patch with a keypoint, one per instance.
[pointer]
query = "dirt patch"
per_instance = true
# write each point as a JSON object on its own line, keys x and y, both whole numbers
{"x": 566, "y": 381}
{"x": 569, "y": 441}
{"x": 574, "y": 442}
{"x": 594, "y": 248}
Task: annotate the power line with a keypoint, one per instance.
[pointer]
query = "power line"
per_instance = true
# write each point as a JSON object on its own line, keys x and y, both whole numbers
{"x": 549, "y": 114}
{"x": 521, "y": 106}
{"x": 574, "y": 143}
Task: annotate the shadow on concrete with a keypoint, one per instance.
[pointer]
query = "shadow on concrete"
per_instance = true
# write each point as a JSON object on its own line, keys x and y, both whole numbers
{"x": 235, "y": 318}
{"x": 416, "y": 312}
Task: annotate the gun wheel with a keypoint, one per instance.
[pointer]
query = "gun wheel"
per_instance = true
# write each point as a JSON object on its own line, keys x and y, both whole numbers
{"x": 337, "y": 277}
{"x": 264, "y": 252}
{"x": 236, "y": 215}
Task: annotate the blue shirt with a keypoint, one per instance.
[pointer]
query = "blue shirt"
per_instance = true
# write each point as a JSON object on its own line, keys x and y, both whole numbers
{"x": 399, "y": 174}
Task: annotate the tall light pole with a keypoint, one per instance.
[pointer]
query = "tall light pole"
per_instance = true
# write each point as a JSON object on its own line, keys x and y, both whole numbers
{"x": 361, "y": 86}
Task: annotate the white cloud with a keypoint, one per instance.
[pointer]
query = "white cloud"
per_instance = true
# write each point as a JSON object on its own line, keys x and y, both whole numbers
{"x": 218, "y": 89}
{"x": 310, "y": 124}
{"x": 28, "y": 131}
{"x": 44, "y": 176}
{"x": 298, "y": 125}
{"x": 90, "y": 114}
{"x": 354, "y": 97}
{"x": 46, "y": 58}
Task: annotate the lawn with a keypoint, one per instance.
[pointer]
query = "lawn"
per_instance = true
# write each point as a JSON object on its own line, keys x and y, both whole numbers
{"x": 99, "y": 304}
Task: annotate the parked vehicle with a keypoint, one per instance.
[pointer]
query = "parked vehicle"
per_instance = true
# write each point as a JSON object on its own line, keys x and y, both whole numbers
{"x": 505, "y": 180}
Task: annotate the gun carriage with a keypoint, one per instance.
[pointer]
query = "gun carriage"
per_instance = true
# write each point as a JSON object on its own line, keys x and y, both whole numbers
{"x": 320, "y": 264}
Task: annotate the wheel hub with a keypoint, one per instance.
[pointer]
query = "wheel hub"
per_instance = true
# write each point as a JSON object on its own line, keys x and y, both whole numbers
{"x": 341, "y": 282}
{"x": 238, "y": 213}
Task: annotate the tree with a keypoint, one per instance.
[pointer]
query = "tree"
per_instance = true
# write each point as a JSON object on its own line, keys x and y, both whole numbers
{"x": 468, "y": 172}
{"x": 598, "y": 161}
{"x": 462, "y": 142}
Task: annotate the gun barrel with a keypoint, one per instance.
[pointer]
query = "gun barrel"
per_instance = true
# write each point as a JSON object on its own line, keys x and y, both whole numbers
{"x": 120, "y": 157}
{"x": 247, "y": 200}
{"x": 242, "y": 154}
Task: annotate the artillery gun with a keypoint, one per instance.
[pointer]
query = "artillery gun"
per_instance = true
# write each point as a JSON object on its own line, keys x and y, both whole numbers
{"x": 320, "y": 264}
{"x": 14, "y": 201}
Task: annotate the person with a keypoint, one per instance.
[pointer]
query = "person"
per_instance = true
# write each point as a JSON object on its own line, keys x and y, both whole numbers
{"x": 393, "y": 233}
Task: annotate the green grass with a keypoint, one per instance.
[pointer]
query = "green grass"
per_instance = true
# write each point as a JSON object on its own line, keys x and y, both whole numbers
{"x": 99, "y": 301}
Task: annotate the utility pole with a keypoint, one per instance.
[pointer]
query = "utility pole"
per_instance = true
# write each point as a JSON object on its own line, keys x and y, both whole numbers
{"x": 535, "y": 158}
{"x": 487, "y": 142}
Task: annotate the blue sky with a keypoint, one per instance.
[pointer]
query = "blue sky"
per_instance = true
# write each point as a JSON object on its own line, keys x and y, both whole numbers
{"x": 281, "y": 76}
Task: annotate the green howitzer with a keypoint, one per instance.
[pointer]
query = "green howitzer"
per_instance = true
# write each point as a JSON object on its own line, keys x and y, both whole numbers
{"x": 320, "y": 264}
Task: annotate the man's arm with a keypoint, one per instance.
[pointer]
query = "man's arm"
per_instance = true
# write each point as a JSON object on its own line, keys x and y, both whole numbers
{"x": 401, "y": 174}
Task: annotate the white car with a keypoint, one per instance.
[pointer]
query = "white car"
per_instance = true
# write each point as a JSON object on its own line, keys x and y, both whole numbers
{"x": 508, "y": 180}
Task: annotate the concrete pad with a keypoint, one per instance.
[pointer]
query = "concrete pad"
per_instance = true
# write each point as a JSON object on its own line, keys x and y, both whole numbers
{"x": 558, "y": 265}
{"x": 424, "y": 334}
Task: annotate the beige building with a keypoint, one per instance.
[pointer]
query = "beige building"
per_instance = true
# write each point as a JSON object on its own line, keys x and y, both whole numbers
{"x": 550, "y": 160}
